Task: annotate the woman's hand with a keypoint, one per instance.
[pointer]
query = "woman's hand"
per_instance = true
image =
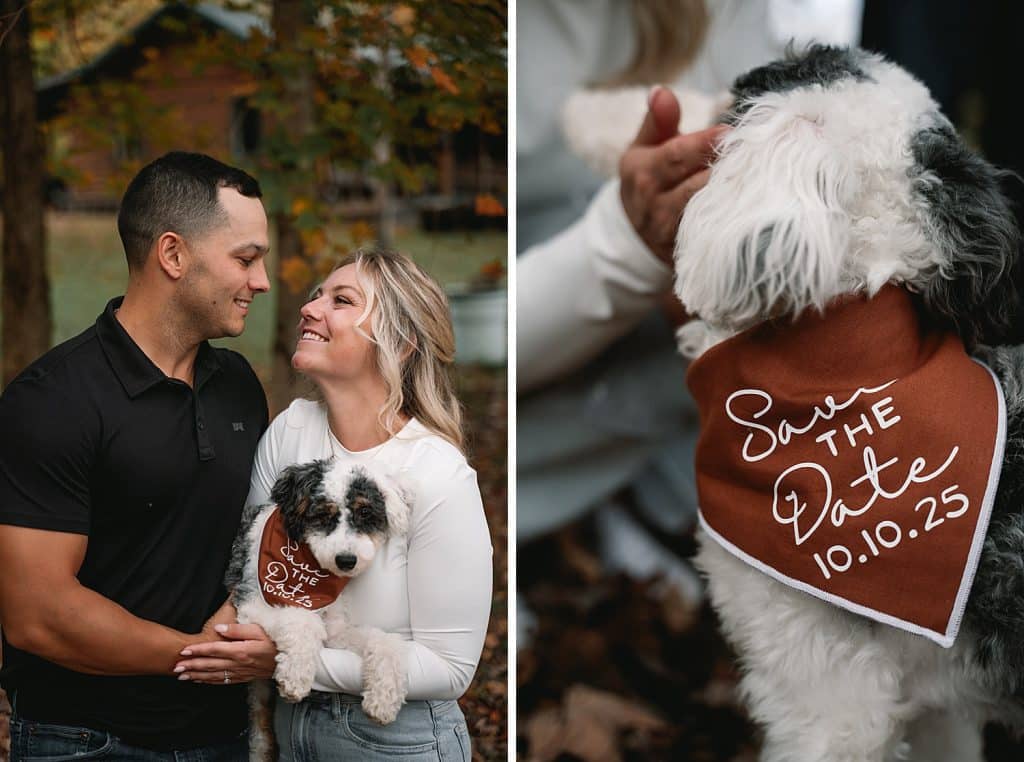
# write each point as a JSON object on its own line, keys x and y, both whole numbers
{"x": 226, "y": 614}
{"x": 244, "y": 653}
{"x": 661, "y": 171}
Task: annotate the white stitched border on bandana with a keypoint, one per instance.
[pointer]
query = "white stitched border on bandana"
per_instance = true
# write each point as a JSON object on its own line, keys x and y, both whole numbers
{"x": 944, "y": 639}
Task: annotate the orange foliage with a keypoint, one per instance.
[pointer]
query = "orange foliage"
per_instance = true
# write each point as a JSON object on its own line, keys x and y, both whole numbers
{"x": 492, "y": 270}
{"x": 296, "y": 274}
{"x": 403, "y": 16}
{"x": 418, "y": 56}
{"x": 487, "y": 205}
{"x": 313, "y": 241}
{"x": 361, "y": 232}
{"x": 442, "y": 80}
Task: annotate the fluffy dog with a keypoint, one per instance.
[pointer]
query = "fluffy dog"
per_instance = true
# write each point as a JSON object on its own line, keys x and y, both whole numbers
{"x": 324, "y": 524}
{"x": 840, "y": 177}
{"x": 841, "y": 186}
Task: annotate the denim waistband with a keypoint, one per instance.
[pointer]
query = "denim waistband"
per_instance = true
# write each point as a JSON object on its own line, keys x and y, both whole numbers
{"x": 323, "y": 697}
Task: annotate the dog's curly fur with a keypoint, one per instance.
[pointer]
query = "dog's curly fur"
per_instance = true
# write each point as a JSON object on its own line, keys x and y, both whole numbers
{"x": 334, "y": 508}
{"x": 841, "y": 175}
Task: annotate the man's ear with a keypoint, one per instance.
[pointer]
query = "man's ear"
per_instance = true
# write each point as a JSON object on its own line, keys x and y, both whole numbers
{"x": 171, "y": 254}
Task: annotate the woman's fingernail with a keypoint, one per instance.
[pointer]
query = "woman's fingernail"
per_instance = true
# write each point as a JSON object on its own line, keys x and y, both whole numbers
{"x": 179, "y": 669}
{"x": 221, "y": 628}
{"x": 186, "y": 652}
{"x": 183, "y": 677}
{"x": 650, "y": 95}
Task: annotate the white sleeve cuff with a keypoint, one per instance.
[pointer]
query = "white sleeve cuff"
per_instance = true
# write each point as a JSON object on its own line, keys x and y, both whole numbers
{"x": 581, "y": 290}
{"x": 619, "y": 245}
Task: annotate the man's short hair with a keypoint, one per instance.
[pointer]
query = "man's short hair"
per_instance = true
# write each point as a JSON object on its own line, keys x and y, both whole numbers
{"x": 176, "y": 193}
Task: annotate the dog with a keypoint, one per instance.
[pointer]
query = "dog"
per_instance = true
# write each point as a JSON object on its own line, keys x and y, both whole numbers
{"x": 843, "y": 225}
{"x": 324, "y": 524}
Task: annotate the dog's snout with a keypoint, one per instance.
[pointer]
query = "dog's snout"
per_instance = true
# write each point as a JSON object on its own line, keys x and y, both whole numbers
{"x": 345, "y": 561}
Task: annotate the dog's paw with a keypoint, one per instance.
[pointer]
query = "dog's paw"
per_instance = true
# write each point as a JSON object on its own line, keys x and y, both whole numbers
{"x": 293, "y": 683}
{"x": 384, "y": 675}
{"x": 381, "y": 704}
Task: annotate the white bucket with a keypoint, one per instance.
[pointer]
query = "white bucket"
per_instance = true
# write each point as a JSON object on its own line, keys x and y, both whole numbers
{"x": 480, "y": 319}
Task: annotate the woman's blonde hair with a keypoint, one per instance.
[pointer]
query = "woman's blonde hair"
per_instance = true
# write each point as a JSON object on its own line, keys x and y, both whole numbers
{"x": 669, "y": 34}
{"x": 411, "y": 327}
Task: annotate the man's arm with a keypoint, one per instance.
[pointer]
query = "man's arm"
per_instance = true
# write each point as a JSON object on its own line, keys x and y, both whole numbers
{"x": 45, "y": 611}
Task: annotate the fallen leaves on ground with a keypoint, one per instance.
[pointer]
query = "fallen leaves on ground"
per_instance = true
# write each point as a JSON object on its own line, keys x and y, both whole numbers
{"x": 484, "y": 394}
{"x": 618, "y": 670}
{"x": 627, "y": 663}
{"x": 587, "y": 725}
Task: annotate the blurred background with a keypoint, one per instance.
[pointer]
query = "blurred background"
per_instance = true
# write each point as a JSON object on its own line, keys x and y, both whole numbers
{"x": 364, "y": 122}
{"x": 619, "y": 657}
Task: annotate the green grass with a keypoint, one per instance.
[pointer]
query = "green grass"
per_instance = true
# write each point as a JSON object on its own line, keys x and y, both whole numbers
{"x": 86, "y": 267}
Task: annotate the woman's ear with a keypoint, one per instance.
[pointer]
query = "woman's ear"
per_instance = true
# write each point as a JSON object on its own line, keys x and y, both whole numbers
{"x": 411, "y": 347}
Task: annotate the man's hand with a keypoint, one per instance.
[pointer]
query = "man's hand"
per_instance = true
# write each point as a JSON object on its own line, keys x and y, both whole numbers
{"x": 224, "y": 615}
{"x": 661, "y": 170}
{"x": 243, "y": 651}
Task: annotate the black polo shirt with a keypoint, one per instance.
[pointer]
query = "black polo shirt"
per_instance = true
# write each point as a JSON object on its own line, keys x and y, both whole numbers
{"x": 96, "y": 440}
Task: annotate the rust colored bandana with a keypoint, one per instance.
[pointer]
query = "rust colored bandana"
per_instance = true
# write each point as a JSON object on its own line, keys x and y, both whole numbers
{"x": 289, "y": 574}
{"x": 854, "y": 456}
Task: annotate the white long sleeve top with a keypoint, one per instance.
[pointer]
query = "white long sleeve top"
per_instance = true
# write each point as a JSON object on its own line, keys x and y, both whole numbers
{"x": 434, "y": 587}
{"x": 581, "y": 290}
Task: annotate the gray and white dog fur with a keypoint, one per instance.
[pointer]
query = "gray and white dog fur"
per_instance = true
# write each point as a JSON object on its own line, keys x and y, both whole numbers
{"x": 345, "y": 514}
{"x": 840, "y": 175}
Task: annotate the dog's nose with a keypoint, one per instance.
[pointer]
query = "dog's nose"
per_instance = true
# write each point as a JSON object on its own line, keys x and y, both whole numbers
{"x": 345, "y": 561}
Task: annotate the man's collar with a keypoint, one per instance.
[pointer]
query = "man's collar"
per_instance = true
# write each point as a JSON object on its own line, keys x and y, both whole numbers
{"x": 207, "y": 363}
{"x": 136, "y": 372}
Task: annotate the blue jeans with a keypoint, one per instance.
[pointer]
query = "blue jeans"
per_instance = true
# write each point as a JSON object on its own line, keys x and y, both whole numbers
{"x": 57, "y": 743}
{"x": 332, "y": 726}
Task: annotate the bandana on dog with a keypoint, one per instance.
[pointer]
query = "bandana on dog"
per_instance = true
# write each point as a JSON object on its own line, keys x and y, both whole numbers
{"x": 288, "y": 572}
{"x": 854, "y": 456}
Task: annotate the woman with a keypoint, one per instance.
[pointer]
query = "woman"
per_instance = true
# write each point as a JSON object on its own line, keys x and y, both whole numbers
{"x": 376, "y": 340}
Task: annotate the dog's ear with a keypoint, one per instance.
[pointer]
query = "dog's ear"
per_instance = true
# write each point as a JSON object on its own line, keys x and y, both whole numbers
{"x": 398, "y": 499}
{"x": 767, "y": 234}
{"x": 969, "y": 217}
{"x": 293, "y": 493}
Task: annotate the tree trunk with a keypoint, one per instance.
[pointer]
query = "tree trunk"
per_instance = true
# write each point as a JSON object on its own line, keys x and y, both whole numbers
{"x": 26, "y": 289}
{"x": 387, "y": 213}
{"x": 290, "y": 17}
{"x": 25, "y": 297}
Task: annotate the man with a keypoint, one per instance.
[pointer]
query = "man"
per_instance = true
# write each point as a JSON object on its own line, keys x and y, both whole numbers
{"x": 124, "y": 466}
